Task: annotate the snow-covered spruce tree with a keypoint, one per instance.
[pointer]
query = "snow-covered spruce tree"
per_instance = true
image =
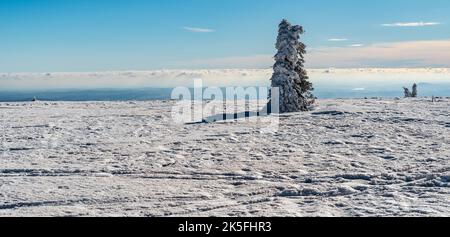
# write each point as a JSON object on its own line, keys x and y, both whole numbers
{"x": 289, "y": 73}
{"x": 406, "y": 92}
{"x": 409, "y": 94}
{"x": 414, "y": 91}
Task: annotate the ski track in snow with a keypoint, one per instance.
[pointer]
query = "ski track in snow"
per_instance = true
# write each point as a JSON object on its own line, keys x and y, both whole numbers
{"x": 369, "y": 157}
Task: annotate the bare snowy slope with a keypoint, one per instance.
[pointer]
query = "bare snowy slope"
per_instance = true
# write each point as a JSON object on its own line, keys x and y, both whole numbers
{"x": 345, "y": 158}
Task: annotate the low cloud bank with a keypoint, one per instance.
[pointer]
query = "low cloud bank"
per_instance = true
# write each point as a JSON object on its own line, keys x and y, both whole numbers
{"x": 218, "y": 77}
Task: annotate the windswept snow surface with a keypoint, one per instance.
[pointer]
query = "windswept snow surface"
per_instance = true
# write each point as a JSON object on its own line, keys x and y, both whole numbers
{"x": 370, "y": 157}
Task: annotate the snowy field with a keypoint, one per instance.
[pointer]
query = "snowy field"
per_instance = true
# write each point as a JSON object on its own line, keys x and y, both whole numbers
{"x": 369, "y": 157}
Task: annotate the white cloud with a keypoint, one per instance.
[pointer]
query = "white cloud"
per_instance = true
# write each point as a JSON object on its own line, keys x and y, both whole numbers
{"x": 393, "y": 54}
{"x": 134, "y": 79}
{"x": 432, "y": 53}
{"x": 337, "y": 39}
{"x": 198, "y": 30}
{"x": 412, "y": 24}
{"x": 213, "y": 77}
{"x": 252, "y": 61}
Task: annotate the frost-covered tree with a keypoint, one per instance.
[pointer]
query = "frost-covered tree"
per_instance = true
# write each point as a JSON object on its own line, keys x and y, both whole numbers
{"x": 414, "y": 91}
{"x": 289, "y": 73}
{"x": 407, "y": 92}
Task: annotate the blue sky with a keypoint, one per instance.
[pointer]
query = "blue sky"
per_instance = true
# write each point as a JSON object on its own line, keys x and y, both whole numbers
{"x": 98, "y": 35}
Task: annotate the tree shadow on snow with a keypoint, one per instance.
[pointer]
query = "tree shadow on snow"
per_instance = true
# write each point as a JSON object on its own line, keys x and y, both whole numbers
{"x": 266, "y": 111}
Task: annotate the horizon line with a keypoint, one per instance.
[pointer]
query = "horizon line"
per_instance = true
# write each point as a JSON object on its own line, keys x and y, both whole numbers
{"x": 218, "y": 69}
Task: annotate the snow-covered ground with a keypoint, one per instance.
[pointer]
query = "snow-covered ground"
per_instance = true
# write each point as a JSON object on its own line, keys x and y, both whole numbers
{"x": 369, "y": 157}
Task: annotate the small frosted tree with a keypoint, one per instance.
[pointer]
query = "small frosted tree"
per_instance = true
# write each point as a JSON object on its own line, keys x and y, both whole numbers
{"x": 406, "y": 92}
{"x": 289, "y": 73}
{"x": 409, "y": 94}
{"x": 414, "y": 91}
